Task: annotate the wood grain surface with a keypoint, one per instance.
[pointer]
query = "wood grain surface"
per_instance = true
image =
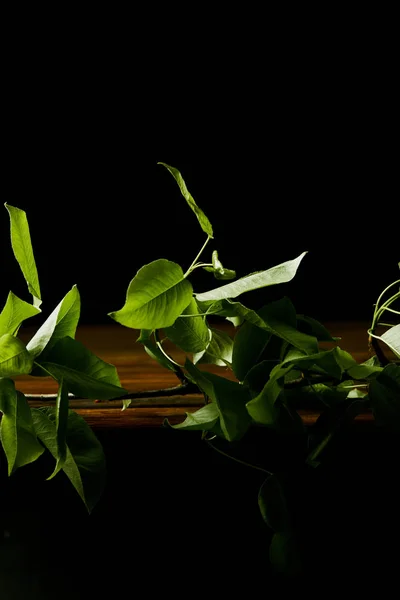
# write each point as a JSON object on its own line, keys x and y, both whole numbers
{"x": 137, "y": 371}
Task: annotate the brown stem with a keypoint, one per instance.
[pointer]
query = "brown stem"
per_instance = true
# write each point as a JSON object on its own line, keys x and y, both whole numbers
{"x": 181, "y": 376}
{"x": 183, "y": 389}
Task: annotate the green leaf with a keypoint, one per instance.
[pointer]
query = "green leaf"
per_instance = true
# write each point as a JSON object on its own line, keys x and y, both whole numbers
{"x": 61, "y": 423}
{"x": 313, "y": 459}
{"x": 191, "y": 334}
{"x": 218, "y": 352}
{"x": 373, "y": 361}
{"x": 280, "y": 274}
{"x": 257, "y": 377}
{"x": 222, "y": 275}
{"x": 262, "y": 408}
{"x": 357, "y": 393}
{"x": 332, "y": 362}
{"x": 279, "y": 318}
{"x": 284, "y": 555}
{"x": 218, "y": 270}
{"x": 384, "y": 396}
{"x": 273, "y": 505}
{"x": 62, "y": 322}
{"x": 324, "y": 362}
{"x": 365, "y": 370}
{"x": 221, "y": 308}
{"x": 201, "y": 217}
{"x": 15, "y": 311}
{"x": 276, "y": 317}
{"x": 84, "y": 373}
{"x": 85, "y": 462}
{"x": 249, "y": 344}
{"x": 236, "y": 321}
{"x": 216, "y": 263}
{"x": 156, "y": 297}
{"x": 391, "y": 337}
{"x": 229, "y": 397}
{"x": 304, "y": 396}
{"x": 14, "y": 357}
{"x": 315, "y": 328}
{"x": 16, "y": 428}
{"x": 203, "y": 419}
{"x": 22, "y": 247}
{"x": 153, "y": 350}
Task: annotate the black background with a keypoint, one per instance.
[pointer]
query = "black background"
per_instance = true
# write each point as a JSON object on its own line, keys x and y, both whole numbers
{"x": 286, "y": 153}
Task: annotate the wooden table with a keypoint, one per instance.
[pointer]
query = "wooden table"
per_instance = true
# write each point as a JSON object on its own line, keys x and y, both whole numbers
{"x": 117, "y": 345}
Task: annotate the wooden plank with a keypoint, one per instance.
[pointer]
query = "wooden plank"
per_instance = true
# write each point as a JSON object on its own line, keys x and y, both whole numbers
{"x": 111, "y": 418}
{"x": 137, "y": 371}
{"x": 132, "y": 418}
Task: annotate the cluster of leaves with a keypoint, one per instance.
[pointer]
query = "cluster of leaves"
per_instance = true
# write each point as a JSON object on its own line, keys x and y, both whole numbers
{"x": 26, "y": 432}
{"x": 279, "y": 361}
{"x": 391, "y": 334}
{"x": 276, "y": 363}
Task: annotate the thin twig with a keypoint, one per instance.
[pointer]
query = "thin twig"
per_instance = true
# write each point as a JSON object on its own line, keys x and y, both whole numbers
{"x": 49, "y": 397}
{"x": 238, "y": 460}
{"x": 197, "y": 257}
{"x": 184, "y": 389}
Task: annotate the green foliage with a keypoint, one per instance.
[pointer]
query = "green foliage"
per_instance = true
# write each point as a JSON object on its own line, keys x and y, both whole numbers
{"x": 274, "y": 364}
{"x": 22, "y": 247}
{"x": 218, "y": 351}
{"x": 314, "y": 328}
{"x": 273, "y": 505}
{"x": 14, "y": 313}
{"x": 249, "y": 344}
{"x": 153, "y": 349}
{"x": 284, "y": 555}
{"x": 189, "y": 332}
{"x": 84, "y": 463}
{"x": 262, "y": 408}
{"x": 62, "y": 322}
{"x": 203, "y": 419}
{"x": 384, "y": 395}
{"x": 385, "y": 308}
{"x": 279, "y": 274}
{"x": 85, "y": 374}
{"x": 201, "y": 217}
{"x": 17, "y": 433}
{"x": 61, "y": 423}
{"x": 14, "y": 357}
{"x": 156, "y": 296}
{"x": 230, "y": 400}
{"x": 218, "y": 270}
{"x": 26, "y": 433}
{"x": 391, "y": 337}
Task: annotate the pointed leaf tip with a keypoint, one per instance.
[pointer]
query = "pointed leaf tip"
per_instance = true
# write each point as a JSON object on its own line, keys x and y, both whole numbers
{"x": 201, "y": 217}
{"x": 23, "y": 252}
{"x": 279, "y": 274}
